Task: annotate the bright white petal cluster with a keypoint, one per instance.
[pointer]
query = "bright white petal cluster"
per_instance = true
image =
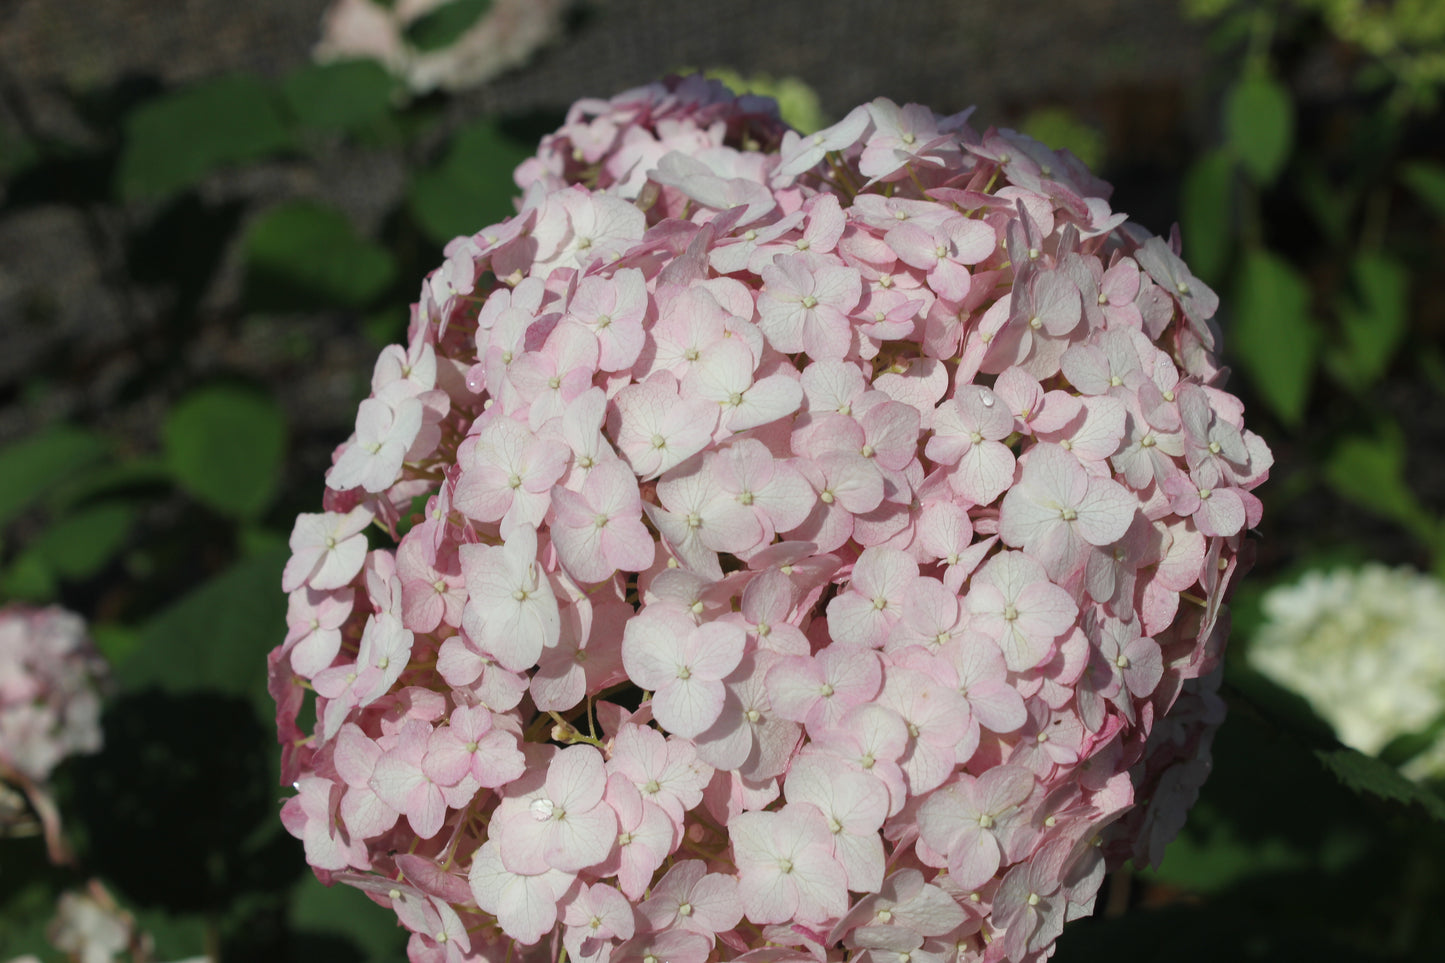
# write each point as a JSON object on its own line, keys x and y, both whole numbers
{"x": 1363, "y": 646}
{"x": 805, "y": 549}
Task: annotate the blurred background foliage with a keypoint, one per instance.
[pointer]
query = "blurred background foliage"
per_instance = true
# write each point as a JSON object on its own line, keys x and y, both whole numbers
{"x": 198, "y": 265}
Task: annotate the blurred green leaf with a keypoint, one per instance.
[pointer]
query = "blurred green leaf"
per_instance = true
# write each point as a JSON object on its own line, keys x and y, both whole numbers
{"x": 29, "y": 578}
{"x": 1259, "y": 126}
{"x": 1211, "y": 857}
{"x": 347, "y": 913}
{"x": 16, "y": 152}
{"x": 1374, "y": 321}
{"x": 1369, "y": 470}
{"x": 217, "y": 636}
{"x": 343, "y": 95}
{"x": 303, "y": 255}
{"x": 132, "y": 477}
{"x": 1331, "y": 203}
{"x": 34, "y": 466}
{"x": 80, "y": 544}
{"x": 1367, "y": 775}
{"x": 472, "y": 188}
{"x": 1207, "y": 214}
{"x": 116, "y": 642}
{"x": 29, "y": 903}
{"x": 1273, "y": 335}
{"x": 1427, "y": 180}
{"x": 1403, "y": 748}
{"x": 444, "y": 25}
{"x": 177, "y": 139}
{"x": 1060, "y": 129}
{"x": 176, "y": 935}
{"x": 224, "y": 445}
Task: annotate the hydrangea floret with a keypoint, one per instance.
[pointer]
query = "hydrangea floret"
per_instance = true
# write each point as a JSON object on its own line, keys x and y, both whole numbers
{"x": 50, "y": 681}
{"x": 788, "y": 548}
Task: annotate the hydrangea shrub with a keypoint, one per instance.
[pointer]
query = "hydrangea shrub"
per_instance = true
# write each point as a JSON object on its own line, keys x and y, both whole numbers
{"x": 50, "y": 677}
{"x": 792, "y": 548}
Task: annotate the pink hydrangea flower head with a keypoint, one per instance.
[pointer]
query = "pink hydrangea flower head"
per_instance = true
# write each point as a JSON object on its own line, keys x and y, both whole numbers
{"x": 51, "y": 678}
{"x": 825, "y": 546}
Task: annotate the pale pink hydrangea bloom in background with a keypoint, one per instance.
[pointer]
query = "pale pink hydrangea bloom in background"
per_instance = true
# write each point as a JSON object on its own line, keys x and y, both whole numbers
{"x": 823, "y": 553}
{"x": 50, "y": 681}
{"x": 504, "y": 36}
{"x": 91, "y": 927}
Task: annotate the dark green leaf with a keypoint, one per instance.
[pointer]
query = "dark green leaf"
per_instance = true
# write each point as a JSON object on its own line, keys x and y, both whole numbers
{"x": 224, "y": 446}
{"x": 1369, "y": 776}
{"x": 29, "y": 578}
{"x": 1331, "y": 203}
{"x": 1259, "y": 126}
{"x": 339, "y": 96}
{"x": 217, "y": 636}
{"x": 473, "y": 186}
{"x": 303, "y": 255}
{"x": 1403, "y": 748}
{"x": 444, "y": 26}
{"x": 80, "y": 544}
{"x": 174, "y": 141}
{"x": 1427, "y": 180}
{"x": 115, "y": 642}
{"x": 30, "y": 901}
{"x": 1374, "y": 321}
{"x": 16, "y": 153}
{"x": 1210, "y": 858}
{"x": 1273, "y": 335}
{"x": 34, "y": 466}
{"x": 346, "y": 912}
{"x": 135, "y": 476}
{"x": 1369, "y": 470}
{"x": 1208, "y": 215}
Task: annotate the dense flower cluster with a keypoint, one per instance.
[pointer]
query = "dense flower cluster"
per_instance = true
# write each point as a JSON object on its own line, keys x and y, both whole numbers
{"x": 49, "y": 706}
{"x": 1363, "y": 647}
{"x": 800, "y": 542}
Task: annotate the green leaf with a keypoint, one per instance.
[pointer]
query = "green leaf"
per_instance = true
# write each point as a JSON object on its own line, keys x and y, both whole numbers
{"x": 174, "y": 141}
{"x": 1374, "y": 321}
{"x": 444, "y": 26}
{"x": 1369, "y": 470}
{"x": 216, "y": 636}
{"x": 1259, "y": 126}
{"x": 1330, "y": 202}
{"x": 34, "y": 466}
{"x": 1273, "y": 335}
{"x": 1367, "y": 775}
{"x": 1426, "y": 179}
{"x": 1060, "y": 129}
{"x": 224, "y": 445}
{"x": 344, "y": 912}
{"x": 472, "y": 188}
{"x": 1207, "y": 214}
{"x": 116, "y": 642}
{"x": 80, "y": 544}
{"x": 344, "y": 95}
{"x": 1210, "y": 856}
{"x": 29, "y": 578}
{"x": 1407, "y": 746}
{"x": 302, "y": 255}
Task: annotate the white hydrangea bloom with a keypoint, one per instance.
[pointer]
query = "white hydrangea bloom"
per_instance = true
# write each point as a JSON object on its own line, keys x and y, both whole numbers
{"x": 1364, "y": 646}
